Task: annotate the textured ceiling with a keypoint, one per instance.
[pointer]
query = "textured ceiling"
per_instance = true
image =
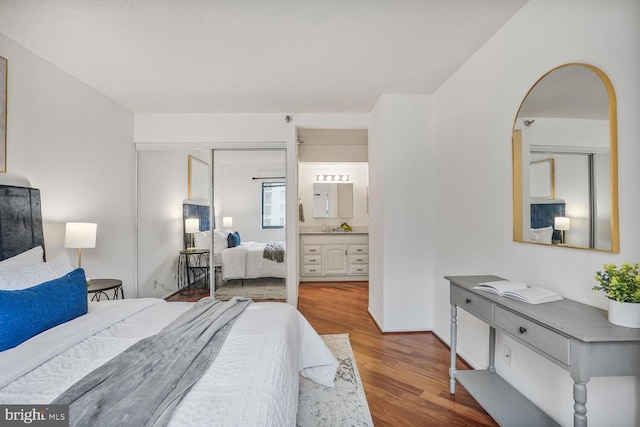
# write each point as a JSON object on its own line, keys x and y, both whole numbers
{"x": 572, "y": 91}
{"x": 255, "y": 56}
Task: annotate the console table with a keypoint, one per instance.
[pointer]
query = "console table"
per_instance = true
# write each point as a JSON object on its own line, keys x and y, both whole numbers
{"x": 574, "y": 336}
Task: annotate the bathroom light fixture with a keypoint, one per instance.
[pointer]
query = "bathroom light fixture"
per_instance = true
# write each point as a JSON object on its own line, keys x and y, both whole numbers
{"x": 80, "y": 235}
{"x": 562, "y": 223}
{"x": 334, "y": 178}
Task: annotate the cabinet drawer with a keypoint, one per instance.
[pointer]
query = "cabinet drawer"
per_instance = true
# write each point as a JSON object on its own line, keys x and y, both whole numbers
{"x": 312, "y": 270}
{"x": 313, "y": 259}
{"x": 359, "y": 269}
{"x": 359, "y": 259}
{"x": 472, "y": 303}
{"x": 312, "y": 249}
{"x": 551, "y": 343}
{"x": 358, "y": 249}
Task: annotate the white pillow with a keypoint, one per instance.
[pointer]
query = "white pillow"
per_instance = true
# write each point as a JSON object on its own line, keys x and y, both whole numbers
{"x": 35, "y": 274}
{"x": 30, "y": 257}
{"x": 541, "y": 235}
{"x": 202, "y": 239}
{"x": 220, "y": 242}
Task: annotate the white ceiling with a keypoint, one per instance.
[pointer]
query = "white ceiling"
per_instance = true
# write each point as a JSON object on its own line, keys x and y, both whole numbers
{"x": 231, "y": 56}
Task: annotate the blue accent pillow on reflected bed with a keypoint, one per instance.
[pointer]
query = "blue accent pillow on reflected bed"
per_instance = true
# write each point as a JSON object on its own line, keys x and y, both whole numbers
{"x": 233, "y": 239}
{"x": 27, "y": 312}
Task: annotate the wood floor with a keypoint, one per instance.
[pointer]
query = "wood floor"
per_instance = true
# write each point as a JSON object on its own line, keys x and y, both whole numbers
{"x": 405, "y": 375}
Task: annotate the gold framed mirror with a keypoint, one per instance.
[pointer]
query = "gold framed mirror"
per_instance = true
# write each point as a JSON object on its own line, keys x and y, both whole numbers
{"x": 565, "y": 161}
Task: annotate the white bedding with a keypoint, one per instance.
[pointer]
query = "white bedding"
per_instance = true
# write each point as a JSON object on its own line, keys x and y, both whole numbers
{"x": 253, "y": 381}
{"x": 247, "y": 261}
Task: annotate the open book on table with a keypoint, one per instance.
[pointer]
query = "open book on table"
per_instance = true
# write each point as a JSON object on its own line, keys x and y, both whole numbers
{"x": 519, "y": 291}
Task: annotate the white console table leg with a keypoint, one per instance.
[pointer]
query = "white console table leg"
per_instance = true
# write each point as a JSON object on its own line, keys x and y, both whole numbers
{"x": 454, "y": 337}
{"x": 492, "y": 349}
{"x": 580, "y": 404}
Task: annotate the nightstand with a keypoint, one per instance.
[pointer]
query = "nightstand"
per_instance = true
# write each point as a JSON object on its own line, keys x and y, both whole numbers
{"x": 100, "y": 287}
{"x": 193, "y": 266}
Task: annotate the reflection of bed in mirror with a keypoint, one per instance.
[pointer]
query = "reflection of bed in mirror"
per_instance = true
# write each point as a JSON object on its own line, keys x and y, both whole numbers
{"x": 247, "y": 260}
{"x": 543, "y": 214}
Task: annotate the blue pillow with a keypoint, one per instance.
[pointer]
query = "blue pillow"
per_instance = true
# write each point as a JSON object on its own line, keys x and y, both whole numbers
{"x": 233, "y": 239}
{"x": 27, "y": 312}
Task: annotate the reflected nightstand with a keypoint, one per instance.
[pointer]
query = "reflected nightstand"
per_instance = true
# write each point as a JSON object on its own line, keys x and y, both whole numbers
{"x": 101, "y": 287}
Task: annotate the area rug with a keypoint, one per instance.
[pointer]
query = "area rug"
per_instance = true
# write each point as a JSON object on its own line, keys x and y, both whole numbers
{"x": 268, "y": 288}
{"x": 343, "y": 405}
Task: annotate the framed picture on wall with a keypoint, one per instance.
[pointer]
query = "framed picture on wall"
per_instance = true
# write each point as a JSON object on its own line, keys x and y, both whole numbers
{"x": 3, "y": 114}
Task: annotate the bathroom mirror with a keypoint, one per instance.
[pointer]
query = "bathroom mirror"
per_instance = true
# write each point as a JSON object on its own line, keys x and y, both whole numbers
{"x": 332, "y": 200}
{"x": 565, "y": 161}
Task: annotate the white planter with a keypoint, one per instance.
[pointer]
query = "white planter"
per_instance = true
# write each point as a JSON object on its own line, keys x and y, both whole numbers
{"x": 624, "y": 313}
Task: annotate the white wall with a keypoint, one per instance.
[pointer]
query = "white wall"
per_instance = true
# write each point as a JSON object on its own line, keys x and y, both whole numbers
{"x": 401, "y": 216}
{"x": 238, "y": 196}
{"x": 475, "y": 112}
{"x": 75, "y": 145}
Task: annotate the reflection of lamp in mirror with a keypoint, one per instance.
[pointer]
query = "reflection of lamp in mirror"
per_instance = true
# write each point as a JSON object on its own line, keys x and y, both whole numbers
{"x": 191, "y": 226}
{"x": 227, "y": 221}
{"x": 80, "y": 235}
{"x": 562, "y": 223}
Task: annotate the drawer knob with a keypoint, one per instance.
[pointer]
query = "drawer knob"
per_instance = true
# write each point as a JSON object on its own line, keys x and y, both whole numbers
{"x": 468, "y": 301}
{"x": 522, "y": 329}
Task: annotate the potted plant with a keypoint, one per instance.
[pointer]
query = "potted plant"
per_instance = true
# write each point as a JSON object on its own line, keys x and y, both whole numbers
{"x": 622, "y": 287}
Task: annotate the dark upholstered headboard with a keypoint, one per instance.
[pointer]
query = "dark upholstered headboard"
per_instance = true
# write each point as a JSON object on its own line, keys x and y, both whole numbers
{"x": 544, "y": 214}
{"x": 194, "y": 210}
{"x": 20, "y": 220}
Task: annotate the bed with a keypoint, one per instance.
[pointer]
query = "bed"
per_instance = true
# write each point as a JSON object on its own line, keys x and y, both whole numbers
{"x": 247, "y": 260}
{"x": 253, "y": 379}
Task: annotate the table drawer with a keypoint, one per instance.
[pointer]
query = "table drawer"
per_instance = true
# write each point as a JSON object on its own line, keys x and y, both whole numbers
{"x": 358, "y": 249}
{"x": 472, "y": 303}
{"x": 313, "y": 259}
{"x": 359, "y": 259}
{"x": 312, "y": 270}
{"x": 312, "y": 249}
{"x": 359, "y": 269}
{"x": 551, "y": 343}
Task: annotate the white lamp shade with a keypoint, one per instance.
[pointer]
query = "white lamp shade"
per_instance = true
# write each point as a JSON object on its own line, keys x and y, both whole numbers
{"x": 227, "y": 221}
{"x": 191, "y": 225}
{"x": 80, "y": 235}
{"x": 562, "y": 223}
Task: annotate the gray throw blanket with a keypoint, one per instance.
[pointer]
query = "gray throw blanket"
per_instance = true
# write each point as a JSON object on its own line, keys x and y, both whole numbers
{"x": 274, "y": 251}
{"x": 145, "y": 383}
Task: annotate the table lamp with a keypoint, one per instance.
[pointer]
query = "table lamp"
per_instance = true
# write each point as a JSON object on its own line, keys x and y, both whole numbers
{"x": 563, "y": 224}
{"x": 80, "y": 235}
{"x": 191, "y": 226}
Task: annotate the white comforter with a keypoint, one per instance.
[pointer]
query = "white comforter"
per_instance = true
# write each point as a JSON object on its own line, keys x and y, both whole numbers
{"x": 253, "y": 381}
{"x": 246, "y": 261}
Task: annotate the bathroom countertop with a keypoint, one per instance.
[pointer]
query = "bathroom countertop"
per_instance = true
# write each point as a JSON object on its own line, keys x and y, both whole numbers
{"x": 318, "y": 230}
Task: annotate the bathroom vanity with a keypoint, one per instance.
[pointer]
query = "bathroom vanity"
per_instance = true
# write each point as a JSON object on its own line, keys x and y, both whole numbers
{"x": 334, "y": 255}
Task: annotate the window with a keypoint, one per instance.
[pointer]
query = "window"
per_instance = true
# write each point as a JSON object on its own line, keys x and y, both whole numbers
{"x": 273, "y": 205}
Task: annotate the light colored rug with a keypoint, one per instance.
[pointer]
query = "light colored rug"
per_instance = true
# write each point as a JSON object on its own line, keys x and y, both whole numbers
{"x": 343, "y": 405}
{"x": 267, "y": 288}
